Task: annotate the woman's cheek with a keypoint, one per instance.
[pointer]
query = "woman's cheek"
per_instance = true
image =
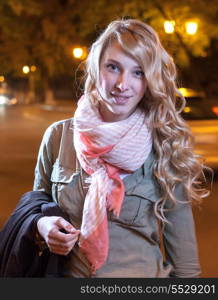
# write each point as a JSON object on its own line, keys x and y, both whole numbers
{"x": 106, "y": 88}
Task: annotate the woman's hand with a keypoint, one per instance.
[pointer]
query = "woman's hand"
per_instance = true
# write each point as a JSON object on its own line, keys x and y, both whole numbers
{"x": 58, "y": 242}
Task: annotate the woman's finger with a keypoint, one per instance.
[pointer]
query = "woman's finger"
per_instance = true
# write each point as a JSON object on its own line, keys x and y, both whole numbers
{"x": 61, "y": 249}
{"x": 61, "y": 237}
{"x": 64, "y": 224}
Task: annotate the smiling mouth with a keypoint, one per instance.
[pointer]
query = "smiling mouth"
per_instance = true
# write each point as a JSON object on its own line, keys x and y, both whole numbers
{"x": 120, "y": 99}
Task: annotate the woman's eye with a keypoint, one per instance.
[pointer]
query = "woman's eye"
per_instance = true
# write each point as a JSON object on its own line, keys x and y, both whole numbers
{"x": 112, "y": 67}
{"x": 139, "y": 73}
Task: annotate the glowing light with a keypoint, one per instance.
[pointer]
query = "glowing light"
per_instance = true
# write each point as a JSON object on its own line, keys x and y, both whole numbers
{"x": 191, "y": 27}
{"x": 215, "y": 110}
{"x": 13, "y": 101}
{"x": 3, "y": 100}
{"x": 186, "y": 92}
{"x": 169, "y": 26}
{"x": 79, "y": 53}
{"x": 26, "y": 69}
{"x": 33, "y": 68}
{"x": 2, "y": 78}
{"x": 187, "y": 109}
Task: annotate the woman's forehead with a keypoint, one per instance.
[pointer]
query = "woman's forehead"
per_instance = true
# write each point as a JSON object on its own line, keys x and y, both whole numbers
{"x": 115, "y": 53}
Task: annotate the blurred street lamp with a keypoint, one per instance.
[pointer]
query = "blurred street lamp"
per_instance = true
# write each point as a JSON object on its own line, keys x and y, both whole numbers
{"x": 26, "y": 69}
{"x": 215, "y": 110}
{"x": 187, "y": 109}
{"x": 191, "y": 27}
{"x": 169, "y": 26}
{"x": 2, "y": 78}
{"x": 33, "y": 68}
{"x": 31, "y": 82}
{"x": 79, "y": 53}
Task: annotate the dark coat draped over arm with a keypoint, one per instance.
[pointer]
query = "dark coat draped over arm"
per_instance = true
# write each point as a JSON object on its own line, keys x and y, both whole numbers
{"x": 19, "y": 253}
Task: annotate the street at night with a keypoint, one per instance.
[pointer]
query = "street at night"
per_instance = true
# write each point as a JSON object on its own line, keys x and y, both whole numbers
{"x": 21, "y": 132}
{"x": 141, "y": 79}
{"x": 22, "y": 128}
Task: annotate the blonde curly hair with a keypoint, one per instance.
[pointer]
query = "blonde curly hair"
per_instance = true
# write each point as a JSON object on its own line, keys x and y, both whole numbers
{"x": 173, "y": 142}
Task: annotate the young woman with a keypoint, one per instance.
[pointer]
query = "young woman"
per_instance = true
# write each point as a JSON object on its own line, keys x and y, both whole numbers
{"x": 123, "y": 169}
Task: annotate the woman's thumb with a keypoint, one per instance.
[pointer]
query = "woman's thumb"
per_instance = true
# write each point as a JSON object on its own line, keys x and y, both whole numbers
{"x": 64, "y": 224}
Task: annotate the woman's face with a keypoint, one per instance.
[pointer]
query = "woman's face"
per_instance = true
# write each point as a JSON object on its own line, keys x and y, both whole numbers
{"x": 121, "y": 86}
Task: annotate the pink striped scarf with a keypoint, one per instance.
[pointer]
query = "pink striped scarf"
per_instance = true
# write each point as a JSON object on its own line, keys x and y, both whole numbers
{"x": 104, "y": 150}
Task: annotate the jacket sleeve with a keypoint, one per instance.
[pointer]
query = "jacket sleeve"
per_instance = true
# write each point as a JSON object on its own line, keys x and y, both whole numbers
{"x": 48, "y": 152}
{"x": 180, "y": 239}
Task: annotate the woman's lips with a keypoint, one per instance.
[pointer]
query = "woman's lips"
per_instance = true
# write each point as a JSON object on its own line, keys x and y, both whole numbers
{"x": 120, "y": 99}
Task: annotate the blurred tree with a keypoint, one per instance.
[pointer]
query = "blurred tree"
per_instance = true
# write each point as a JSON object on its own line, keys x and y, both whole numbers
{"x": 182, "y": 46}
{"x": 40, "y": 33}
{"x": 190, "y": 52}
{"x": 43, "y": 33}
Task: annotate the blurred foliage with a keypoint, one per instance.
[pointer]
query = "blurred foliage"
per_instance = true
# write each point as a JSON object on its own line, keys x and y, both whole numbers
{"x": 181, "y": 45}
{"x": 35, "y": 32}
{"x": 43, "y": 33}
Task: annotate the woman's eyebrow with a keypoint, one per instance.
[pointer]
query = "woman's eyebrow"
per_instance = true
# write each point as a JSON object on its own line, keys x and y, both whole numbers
{"x": 110, "y": 60}
{"x": 113, "y": 61}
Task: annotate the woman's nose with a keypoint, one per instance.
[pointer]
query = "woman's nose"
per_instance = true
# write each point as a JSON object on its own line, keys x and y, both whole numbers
{"x": 122, "y": 83}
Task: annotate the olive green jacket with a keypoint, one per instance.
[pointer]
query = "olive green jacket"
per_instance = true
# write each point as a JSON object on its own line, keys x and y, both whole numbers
{"x": 134, "y": 237}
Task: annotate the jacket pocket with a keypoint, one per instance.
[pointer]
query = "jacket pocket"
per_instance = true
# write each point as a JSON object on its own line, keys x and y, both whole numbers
{"x": 138, "y": 205}
{"x": 61, "y": 174}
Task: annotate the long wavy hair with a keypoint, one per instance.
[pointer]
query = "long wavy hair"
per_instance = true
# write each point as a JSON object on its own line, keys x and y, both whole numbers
{"x": 175, "y": 161}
